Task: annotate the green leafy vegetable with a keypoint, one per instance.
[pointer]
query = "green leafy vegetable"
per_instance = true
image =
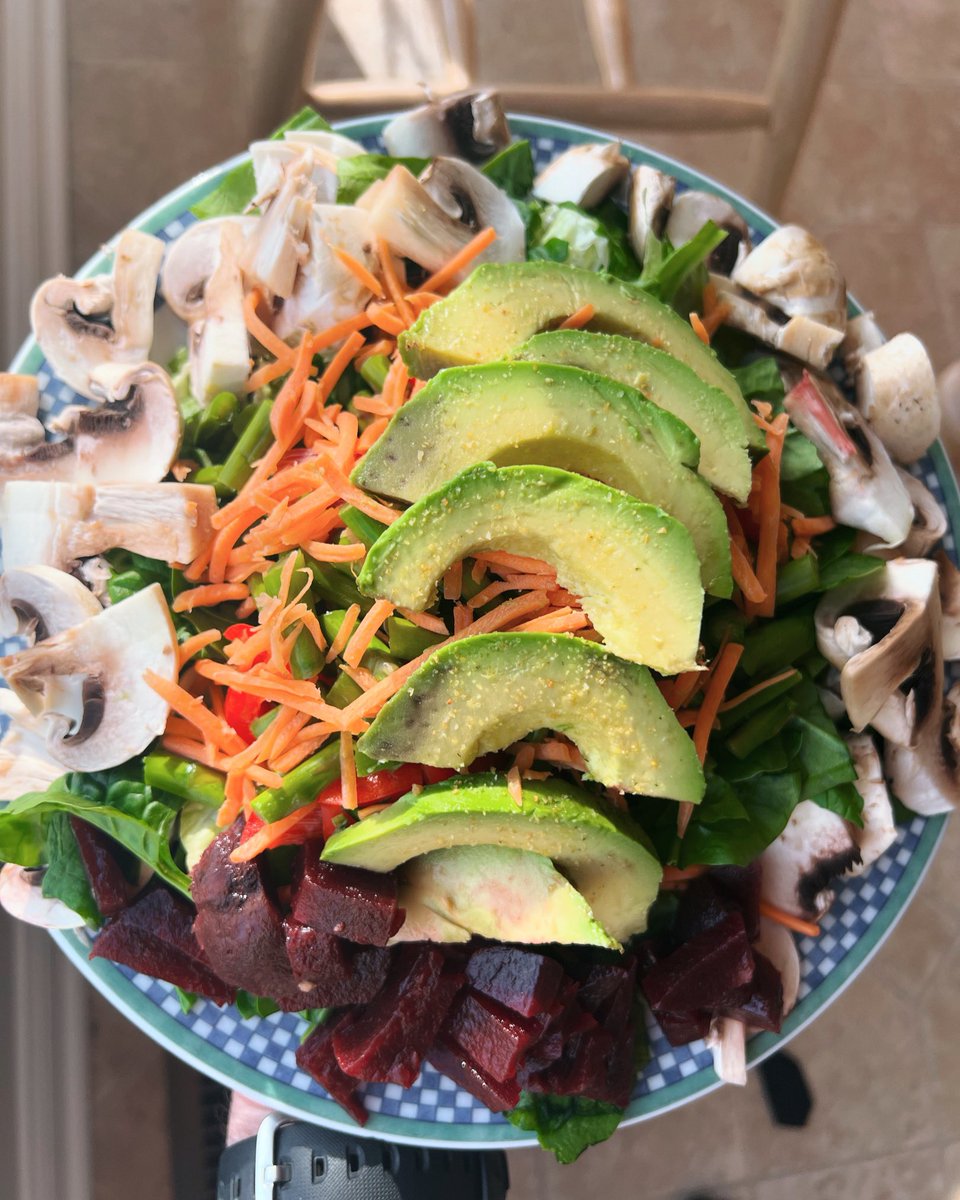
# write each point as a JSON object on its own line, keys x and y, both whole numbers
{"x": 249, "y": 1005}
{"x": 184, "y": 779}
{"x": 65, "y": 877}
{"x": 512, "y": 169}
{"x": 761, "y": 380}
{"x": 187, "y": 999}
{"x": 567, "y": 1125}
{"x": 237, "y": 188}
{"x": 22, "y": 838}
{"x": 665, "y": 269}
{"x": 844, "y": 800}
{"x": 314, "y": 1017}
{"x": 568, "y": 234}
{"x": 356, "y": 174}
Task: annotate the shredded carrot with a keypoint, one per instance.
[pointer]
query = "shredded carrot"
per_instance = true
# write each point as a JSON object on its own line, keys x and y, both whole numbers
{"x": 371, "y": 433}
{"x": 678, "y": 877}
{"x": 800, "y": 548}
{"x": 682, "y": 688}
{"x": 269, "y": 779}
{"x": 192, "y": 749}
{"x": 686, "y": 717}
{"x": 723, "y": 671}
{"x": 460, "y": 260}
{"x": 767, "y": 477}
{"x": 744, "y": 576}
{"x": 270, "y": 835}
{"x": 562, "y": 752}
{"x": 715, "y": 311}
{"x": 383, "y": 318}
{"x": 453, "y": 581}
{"x": 395, "y": 286}
{"x": 262, "y": 332}
{"x": 348, "y": 773}
{"x": 358, "y": 270}
{"x": 699, "y": 328}
{"x": 757, "y": 688}
{"x": 192, "y": 709}
{"x": 363, "y": 678}
{"x": 353, "y": 495}
{"x": 515, "y": 786}
{"x": 338, "y": 364}
{"x": 229, "y": 810}
{"x": 193, "y": 644}
{"x": 515, "y": 562}
{"x": 343, "y": 633}
{"x": 284, "y": 407}
{"x": 461, "y": 617}
{"x": 797, "y": 924}
{"x": 366, "y": 631}
{"x": 558, "y": 622}
{"x": 384, "y": 346}
{"x": 812, "y": 526}
{"x": 426, "y": 621}
{"x": 581, "y": 317}
{"x": 332, "y": 552}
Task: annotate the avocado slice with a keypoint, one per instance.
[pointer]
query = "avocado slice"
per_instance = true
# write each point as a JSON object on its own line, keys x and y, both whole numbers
{"x": 709, "y": 412}
{"x": 602, "y": 852}
{"x": 500, "y": 305}
{"x": 422, "y": 924}
{"x": 484, "y": 693}
{"x": 553, "y": 416}
{"x": 634, "y": 568}
{"x": 506, "y": 894}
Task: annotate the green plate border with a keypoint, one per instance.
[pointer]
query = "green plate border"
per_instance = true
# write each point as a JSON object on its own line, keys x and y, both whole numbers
{"x": 192, "y": 1048}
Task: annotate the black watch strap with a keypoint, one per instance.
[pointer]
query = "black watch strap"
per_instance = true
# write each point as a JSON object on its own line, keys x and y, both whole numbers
{"x": 291, "y": 1160}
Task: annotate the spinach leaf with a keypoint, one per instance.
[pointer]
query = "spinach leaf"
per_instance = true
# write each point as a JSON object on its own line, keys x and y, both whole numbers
{"x": 760, "y": 380}
{"x": 22, "y": 838}
{"x": 187, "y": 999}
{"x": 567, "y": 1125}
{"x": 768, "y": 801}
{"x": 666, "y": 269}
{"x": 238, "y": 187}
{"x": 358, "y": 173}
{"x": 512, "y": 169}
{"x": 823, "y": 756}
{"x": 65, "y": 877}
{"x": 844, "y": 800}
{"x": 249, "y": 1005}
{"x": 848, "y": 568}
{"x": 800, "y": 457}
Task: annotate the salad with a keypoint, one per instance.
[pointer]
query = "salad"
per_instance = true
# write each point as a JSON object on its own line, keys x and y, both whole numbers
{"x": 495, "y": 622}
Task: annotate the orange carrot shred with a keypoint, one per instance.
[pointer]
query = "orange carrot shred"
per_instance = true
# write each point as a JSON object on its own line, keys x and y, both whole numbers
{"x": 262, "y": 332}
{"x": 812, "y": 526}
{"x": 209, "y": 594}
{"x": 583, "y": 316}
{"x": 348, "y": 773}
{"x": 453, "y": 581}
{"x": 460, "y": 260}
{"x": 343, "y": 633}
{"x": 366, "y": 631}
{"x": 515, "y": 786}
{"x": 396, "y": 287}
{"x": 797, "y": 924}
{"x": 723, "y": 671}
{"x": 192, "y": 709}
{"x": 358, "y": 270}
{"x": 699, "y": 328}
{"x": 193, "y": 644}
{"x": 744, "y": 576}
{"x": 333, "y": 552}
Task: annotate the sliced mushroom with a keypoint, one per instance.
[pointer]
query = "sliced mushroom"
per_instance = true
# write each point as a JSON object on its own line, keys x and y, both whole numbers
{"x": 948, "y": 385}
{"x": 21, "y": 895}
{"x": 326, "y": 291}
{"x": 328, "y": 140}
{"x": 863, "y": 334}
{"x": 21, "y": 431}
{"x": 88, "y": 682}
{"x": 651, "y": 195}
{"x": 866, "y": 491}
{"x": 414, "y": 225}
{"x": 192, "y": 259}
{"x": 218, "y": 341}
{"x": 926, "y": 777}
{"x": 133, "y": 435}
{"x": 882, "y": 632}
{"x": 795, "y": 273}
{"x": 582, "y": 175}
{"x": 472, "y": 125}
{"x": 800, "y": 866}
{"x": 691, "y": 211}
{"x": 25, "y": 761}
{"x": 776, "y": 943}
{"x": 897, "y": 393}
{"x": 19, "y": 396}
{"x": 928, "y": 526}
{"x": 727, "y": 1041}
{"x": 879, "y": 830}
{"x": 275, "y": 249}
{"x": 83, "y": 324}
{"x": 810, "y": 341}
{"x": 57, "y": 523}
{"x": 39, "y": 602}
{"x": 272, "y": 160}
{"x": 468, "y": 196}
{"x": 949, "y": 585}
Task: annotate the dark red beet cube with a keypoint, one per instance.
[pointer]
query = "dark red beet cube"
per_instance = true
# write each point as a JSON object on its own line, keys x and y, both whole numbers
{"x": 742, "y": 886}
{"x": 703, "y": 905}
{"x": 238, "y": 922}
{"x": 541, "y": 1054}
{"x": 760, "y": 1002}
{"x": 608, "y": 993}
{"x": 683, "y": 1027}
{"x": 346, "y": 902}
{"x": 387, "y": 1041}
{"x": 154, "y": 935}
{"x": 317, "y": 1058}
{"x": 521, "y": 979}
{"x": 704, "y": 972}
{"x": 497, "y": 1095}
{"x": 109, "y": 885}
{"x": 493, "y": 1036}
{"x": 340, "y": 972}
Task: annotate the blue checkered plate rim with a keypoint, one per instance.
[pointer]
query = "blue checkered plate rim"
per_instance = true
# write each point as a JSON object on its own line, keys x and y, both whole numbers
{"x": 257, "y": 1056}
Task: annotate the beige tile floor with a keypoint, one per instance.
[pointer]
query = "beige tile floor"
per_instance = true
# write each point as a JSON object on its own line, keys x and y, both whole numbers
{"x": 162, "y": 88}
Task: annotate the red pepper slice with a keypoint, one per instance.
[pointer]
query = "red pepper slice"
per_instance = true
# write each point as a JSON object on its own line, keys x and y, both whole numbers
{"x": 436, "y": 774}
{"x": 239, "y": 632}
{"x": 253, "y": 824}
{"x": 240, "y": 709}
{"x": 376, "y": 788}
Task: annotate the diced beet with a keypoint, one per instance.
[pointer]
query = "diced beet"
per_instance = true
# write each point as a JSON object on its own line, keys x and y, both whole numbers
{"x": 498, "y": 1096}
{"x": 541, "y": 1054}
{"x": 742, "y": 885}
{"x": 238, "y": 923}
{"x": 703, "y": 905}
{"x": 109, "y": 885}
{"x": 760, "y": 1002}
{"x": 493, "y": 1036}
{"x": 703, "y": 972}
{"x": 316, "y": 1056}
{"x": 521, "y": 979}
{"x": 360, "y": 906}
{"x": 341, "y": 972}
{"x": 387, "y": 1041}
{"x": 595, "y": 1064}
{"x": 154, "y": 935}
{"x": 609, "y": 993}
{"x": 682, "y": 1027}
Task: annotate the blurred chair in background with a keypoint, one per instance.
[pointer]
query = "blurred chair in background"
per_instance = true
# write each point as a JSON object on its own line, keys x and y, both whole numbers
{"x": 436, "y": 40}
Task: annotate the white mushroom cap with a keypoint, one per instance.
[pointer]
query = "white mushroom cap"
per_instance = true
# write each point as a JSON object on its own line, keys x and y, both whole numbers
{"x": 56, "y": 523}
{"x": 39, "y": 602}
{"x": 25, "y": 762}
{"x": 582, "y": 175}
{"x": 793, "y": 271}
{"x": 275, "y": 249}
{"x": 471, "y": 125}
{"x": 926, "y": 778}
{"x": 810, "y": 341}
{"x": 691, "y": 211}
{"x": 326, "y": 291}
{"x": 879, "y": 830}
{"x": 192, "y": 259}
{"x": 21, "y": 895}
{"x": 863, "y": 334}
{"x": 218, "y": 340}
{"x": 88, "y": 682}
{"x": 468, "y": 196}
{"x": 727, "y": 1041}
{"x": 19, "y": 396}
{"x": 271, "y": 159}
{"x": 69, "y": 315}
{"x": 897, "y": 393}
{"x": 327, "y": 140}
{"x": 928, "y": 526}
{"x": 800, "y": 865}
{"x": 651, "y": 195}
{"x": 777, "y": 944}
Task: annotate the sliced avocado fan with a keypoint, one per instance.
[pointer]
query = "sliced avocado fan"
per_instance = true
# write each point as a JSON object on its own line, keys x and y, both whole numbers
{"x": 484, "y": 693}
{"x": 604, "y": 854}
{"x": 554, "y": 416}
{"x": 709, "y": 412}
{"x": 501, "y": 305}
{"x": 634, "y": 568}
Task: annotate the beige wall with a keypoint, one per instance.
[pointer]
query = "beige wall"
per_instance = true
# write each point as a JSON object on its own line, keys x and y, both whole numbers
{"x": 160, "y": 89}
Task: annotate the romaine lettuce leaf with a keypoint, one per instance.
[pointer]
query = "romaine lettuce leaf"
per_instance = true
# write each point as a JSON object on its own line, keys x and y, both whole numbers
{"x": 567, "y": 1125}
